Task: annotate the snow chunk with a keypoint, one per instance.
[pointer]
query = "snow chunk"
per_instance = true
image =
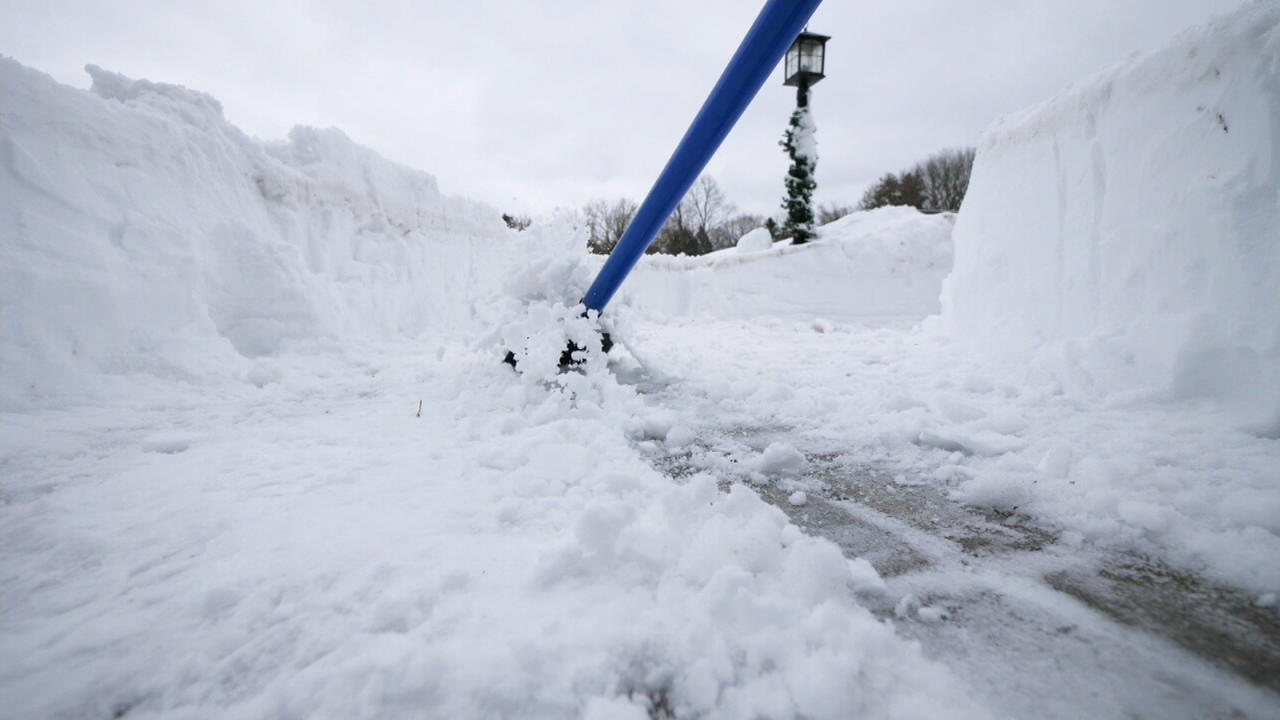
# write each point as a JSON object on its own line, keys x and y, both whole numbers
{"x": 1056, "y": 461}
{"x": 680, "y": 436}
{"x": 263, "y": 373}
{"x": 654, "y": 426}
{"x": 931, "y": 613}
{"x": 780, "y": 459}
{"x": 994, "y": 490}
{"x": 1145, "y": 515}
{"x": 864, "y": 578}
{"x": 755, "y": 241}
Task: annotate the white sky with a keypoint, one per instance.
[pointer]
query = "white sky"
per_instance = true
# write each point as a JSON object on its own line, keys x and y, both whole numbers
{"x": 535, "y": 104}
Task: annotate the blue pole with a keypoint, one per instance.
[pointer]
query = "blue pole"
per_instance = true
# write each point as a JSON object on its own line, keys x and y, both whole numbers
{"x": 769, "y": 37}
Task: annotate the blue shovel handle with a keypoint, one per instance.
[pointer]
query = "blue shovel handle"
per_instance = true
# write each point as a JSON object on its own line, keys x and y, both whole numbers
{"x": 777, "y": 26}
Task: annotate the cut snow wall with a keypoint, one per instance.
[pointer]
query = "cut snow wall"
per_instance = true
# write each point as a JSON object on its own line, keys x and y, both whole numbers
{"x": 1126, "y": 234}
{"x": 888, "y": 262}
{"x": 140, "y": 232}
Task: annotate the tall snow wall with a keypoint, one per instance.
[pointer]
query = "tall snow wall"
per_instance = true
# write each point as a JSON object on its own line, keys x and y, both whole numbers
{"x": 1125, "y": 235}
{"x": 140, "y": 232}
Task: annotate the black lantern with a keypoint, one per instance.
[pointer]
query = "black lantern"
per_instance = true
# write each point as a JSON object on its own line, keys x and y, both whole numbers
{"x": 806, "y": 60}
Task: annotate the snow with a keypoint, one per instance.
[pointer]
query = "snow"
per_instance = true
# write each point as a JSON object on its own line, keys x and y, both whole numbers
{"x": 1122, "y": 238}
{"x": 886, "y": 262}
{"x": 806, "y": 136}
{"x": 1145, "y": 480}
{"x": 755, "y": 241}
{"x": 319, "y": 550}
{"x": 907, "y": 402}
{"x": 780, "y": 459}
{"x": 931, "y": 614}
{"x": 262, "y": 458}
{"x": 145, "y": 234}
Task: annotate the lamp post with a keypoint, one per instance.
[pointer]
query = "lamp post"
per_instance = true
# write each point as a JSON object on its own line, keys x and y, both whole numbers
{"x": 803, "y": 65}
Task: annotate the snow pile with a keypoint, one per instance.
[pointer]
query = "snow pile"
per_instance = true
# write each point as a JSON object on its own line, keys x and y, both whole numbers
{"x": 142, "y": 233}
{"x": 886, "y": 262}
{"x": 756, "y": 240}
{"x": 1127, "y": 233}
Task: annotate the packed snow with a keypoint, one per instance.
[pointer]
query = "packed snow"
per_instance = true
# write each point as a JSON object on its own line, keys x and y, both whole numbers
{"x": 1122, "y": 237}
{"x": 261, "y": 457}
{"x": 756, "y": 240}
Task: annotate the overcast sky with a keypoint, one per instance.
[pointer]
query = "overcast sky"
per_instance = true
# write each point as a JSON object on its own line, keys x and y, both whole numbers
{"x": 533, "y": 104}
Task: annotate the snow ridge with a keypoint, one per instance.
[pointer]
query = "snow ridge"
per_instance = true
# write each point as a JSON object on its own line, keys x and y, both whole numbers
{"x": 145, "y": 234}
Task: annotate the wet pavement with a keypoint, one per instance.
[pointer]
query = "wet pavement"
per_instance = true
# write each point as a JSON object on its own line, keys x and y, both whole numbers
{"x": 1038, "y": 627}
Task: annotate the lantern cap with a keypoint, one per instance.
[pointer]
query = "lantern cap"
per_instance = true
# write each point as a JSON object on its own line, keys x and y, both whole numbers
{"x": 806, "y": 35}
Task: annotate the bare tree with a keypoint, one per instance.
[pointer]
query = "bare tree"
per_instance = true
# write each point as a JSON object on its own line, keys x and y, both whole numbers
{"x": 705, "y": 220}
{"x": 707, "y": 209}
{"x": 938, "y": 183}
{"x": 678, "y": 235}
{"x": 830, "y": 212}
{"x": 696, "y": 226}
{"x": 946, "y": 178}
{"x": 738, "y": 225}
{"x": 617, "y": 219}
{"x": 605, "y": 223}
{"x": 884, "y": 192}
{"x": 593, "y": 220}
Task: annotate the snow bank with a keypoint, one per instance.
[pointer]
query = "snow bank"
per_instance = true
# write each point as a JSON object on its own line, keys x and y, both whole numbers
{"x": 140, "y": 232}
{"x": 886, "y": 262}
{"x": 285, "y": 532}
{"x": 1127, "y": 232}
{"x": 755, "y": 241}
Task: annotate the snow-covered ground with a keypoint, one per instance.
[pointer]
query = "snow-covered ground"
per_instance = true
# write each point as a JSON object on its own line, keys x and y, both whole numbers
{"x": 260, "y": 457}
{"x": 887, "y": 263}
